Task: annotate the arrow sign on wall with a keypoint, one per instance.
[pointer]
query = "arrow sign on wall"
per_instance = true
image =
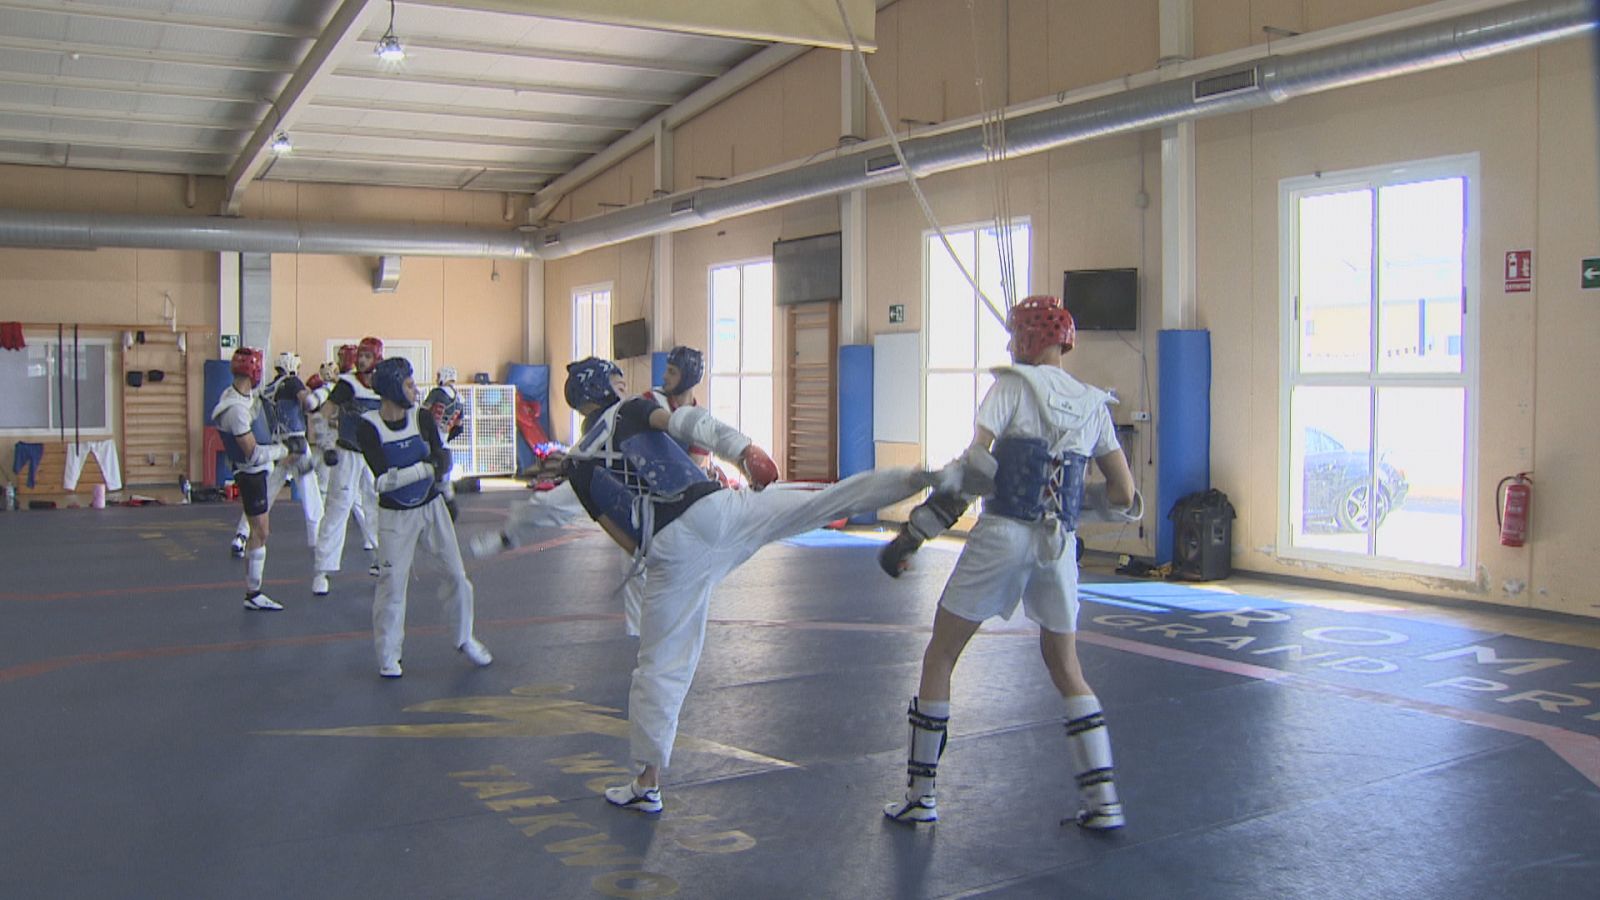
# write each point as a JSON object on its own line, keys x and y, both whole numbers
{"x": 1591, "y": 273}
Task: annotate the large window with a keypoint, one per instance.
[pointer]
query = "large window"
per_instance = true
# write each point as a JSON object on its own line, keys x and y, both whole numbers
{"x": 38, "y": 398}
{"x": 591, "y": 330}
{"x": 1379, "y": 363}
{"x": 965, "y": 339}
{"x": 739, "y": 387}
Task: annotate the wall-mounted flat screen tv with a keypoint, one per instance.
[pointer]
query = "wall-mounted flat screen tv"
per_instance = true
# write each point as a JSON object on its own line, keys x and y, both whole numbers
{"x": 1102, "y": 299}
{"x": 630, "y": 339}
{"x": 808, "y": 269}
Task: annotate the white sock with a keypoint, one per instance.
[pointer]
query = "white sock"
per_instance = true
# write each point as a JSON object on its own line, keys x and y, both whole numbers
{"x": 255, "y": 560}
{"x": 928, "y": 720}
{"x": 1089, "y": 746}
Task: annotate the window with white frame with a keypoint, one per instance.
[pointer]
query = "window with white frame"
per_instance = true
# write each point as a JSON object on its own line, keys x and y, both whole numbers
{"x": 39, "y": 399}
{"x": 739, "y": 386}
{"x": 591, "y": 329}
{"x": 964, "y": 338}
{"x": 1379, "y": 367}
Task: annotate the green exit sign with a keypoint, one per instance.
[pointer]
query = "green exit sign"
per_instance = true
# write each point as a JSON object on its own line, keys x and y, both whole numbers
{"x": 230, "y": 340}
{"x": 897, "y": 312}
{"x": 1591, "y": 273}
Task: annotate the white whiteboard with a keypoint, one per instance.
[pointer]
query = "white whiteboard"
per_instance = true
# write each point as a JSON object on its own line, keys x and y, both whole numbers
{"x": 897, "y": 387}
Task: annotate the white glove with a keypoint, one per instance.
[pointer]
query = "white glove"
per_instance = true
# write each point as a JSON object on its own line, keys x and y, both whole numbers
{"x": 266, "y": 454}
{"x": 1097, "y": 506}
{"x": 394, "y": 479}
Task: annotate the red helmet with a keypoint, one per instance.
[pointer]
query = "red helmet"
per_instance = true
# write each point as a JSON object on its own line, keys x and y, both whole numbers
{"x": 372, "y": 345}
{"x": 347, "y": 357}
{"x": 247, "y": 362}
{"x": 1038, "y": 323}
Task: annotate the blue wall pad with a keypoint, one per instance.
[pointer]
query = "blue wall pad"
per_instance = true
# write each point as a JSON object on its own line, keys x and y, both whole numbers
{"x": 1184, "y": 431}
{"x": 658, "y": 369}
{"x": 533, "y": 383}
{"x": 215, "y": 380}
{"x": 856, "y": 452}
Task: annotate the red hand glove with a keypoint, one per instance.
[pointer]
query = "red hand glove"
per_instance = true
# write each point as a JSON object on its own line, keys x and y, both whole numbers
{"x": 315, "y": 382}
{"x": 759, "y": 469}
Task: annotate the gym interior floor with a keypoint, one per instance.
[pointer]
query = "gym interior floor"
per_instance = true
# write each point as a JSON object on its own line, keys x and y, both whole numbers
{"x": 1271, "y": 741}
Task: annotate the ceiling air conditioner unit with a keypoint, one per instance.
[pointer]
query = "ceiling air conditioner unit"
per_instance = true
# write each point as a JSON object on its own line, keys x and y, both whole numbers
{"x": 386, "y": 275}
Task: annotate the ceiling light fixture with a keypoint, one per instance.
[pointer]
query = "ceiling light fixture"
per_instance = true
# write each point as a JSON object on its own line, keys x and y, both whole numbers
{"x": 281, "y": 143}
{"x": 389, "y": 49}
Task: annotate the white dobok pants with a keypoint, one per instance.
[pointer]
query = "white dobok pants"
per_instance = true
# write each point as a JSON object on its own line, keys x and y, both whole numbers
{"x": 310, "y": 498}
{"x": 399, "y": 531}
{"x": 346, "y": 488}
{"x": 689, "y": 556}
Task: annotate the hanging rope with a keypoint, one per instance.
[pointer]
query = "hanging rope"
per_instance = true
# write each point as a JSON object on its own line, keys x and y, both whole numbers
{"x": 911, "y": 178}
{"x": 995, "y": 152}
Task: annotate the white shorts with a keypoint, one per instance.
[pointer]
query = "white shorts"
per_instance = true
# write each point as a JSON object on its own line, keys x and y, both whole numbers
{"x": 1006, "y": 562}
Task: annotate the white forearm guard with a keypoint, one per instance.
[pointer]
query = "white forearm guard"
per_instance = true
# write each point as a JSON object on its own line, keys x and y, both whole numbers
{"x": 1097, "y": 506}
{"x": 318, "y": 397}
{"x": 394, "y": 479}
{"x": 267, "y": 454}
{"x": 695, "y": 426}
{"x": 551, "y": 509}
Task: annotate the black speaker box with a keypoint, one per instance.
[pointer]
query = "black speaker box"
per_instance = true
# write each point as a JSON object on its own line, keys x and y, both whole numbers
{"x": 1202, "y": 536}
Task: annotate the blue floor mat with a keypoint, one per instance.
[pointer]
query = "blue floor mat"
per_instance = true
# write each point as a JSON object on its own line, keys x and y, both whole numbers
{"x": 827, "y": 537}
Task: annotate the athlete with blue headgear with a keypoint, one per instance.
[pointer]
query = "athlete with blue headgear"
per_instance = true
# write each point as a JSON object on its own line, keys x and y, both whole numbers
{"x": 1037, "y": 428}
{"x": 402, "y": 447}
{"x": 350, "y": 484}
{"x": 630, "y": 473}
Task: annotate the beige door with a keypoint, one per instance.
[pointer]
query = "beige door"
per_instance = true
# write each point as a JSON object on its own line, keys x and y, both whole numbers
{"x": 812, "y": 417}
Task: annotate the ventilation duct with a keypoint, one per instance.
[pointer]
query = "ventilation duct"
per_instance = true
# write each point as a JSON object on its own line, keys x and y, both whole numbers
{"x": 386, "y": 275}
{"x": 1229, "y": 89}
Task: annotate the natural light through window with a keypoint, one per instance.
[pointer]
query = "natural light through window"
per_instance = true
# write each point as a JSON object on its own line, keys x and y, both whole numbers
{"x": 591, "y": 329}
{"x": 739, "y": 386}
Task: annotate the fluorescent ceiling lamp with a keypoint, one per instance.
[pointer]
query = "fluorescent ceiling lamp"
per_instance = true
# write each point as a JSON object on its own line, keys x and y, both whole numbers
{"x": 281, "y": 143}
{"x": 389, "y": 49}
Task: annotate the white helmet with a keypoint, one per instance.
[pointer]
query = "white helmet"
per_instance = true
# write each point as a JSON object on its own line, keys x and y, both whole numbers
{"x": 288, "y": 362}
{"x": 447, "y": 374}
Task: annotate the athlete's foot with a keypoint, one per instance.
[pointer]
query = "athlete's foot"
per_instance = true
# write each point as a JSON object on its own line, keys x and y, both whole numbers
{"x": 319, "y": 584}
{"x": 632, "y": 796}
{"x": 236, "y": 546}
{"x": 391, "y": 669}
{"x": 477, "y": 652}
{"x": 1100, "y": 818}
{"x": 259, "y": 601}
{"x": 922, "y": 809}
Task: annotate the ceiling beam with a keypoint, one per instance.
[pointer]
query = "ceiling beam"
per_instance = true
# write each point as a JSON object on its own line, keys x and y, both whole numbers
{"x": 139, "y": 54}
{"x": 158, "y": 17}
{"x": 432, "y": 162}
{"x": 601, "y": 123}
{"x": 697, "y": 70}
{"x": 114, "y": 86}
{"x": 649, "y": 98}
{"x": 448, "y": 137}
{"x": 124, "y": 116}
{"x": 57, "y": 139}
{"x": 341, "y": 31}
{"x": 813, "y": 23}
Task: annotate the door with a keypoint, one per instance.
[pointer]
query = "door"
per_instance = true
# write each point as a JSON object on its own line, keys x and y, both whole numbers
{"x": 812, "y": 418}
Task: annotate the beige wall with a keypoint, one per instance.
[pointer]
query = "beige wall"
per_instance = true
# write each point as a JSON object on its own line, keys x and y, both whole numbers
{"x": 1530, "y": 117}
{"x": 474, "y": 321}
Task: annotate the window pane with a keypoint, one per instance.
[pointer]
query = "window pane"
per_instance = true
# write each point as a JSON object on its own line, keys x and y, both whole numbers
{"x": 1421, "y": 474}
{"x": 722, "y": 398}
{"x": 1420, "y": 239}
{"x": 949, "y": 413}
{"x": 725, "y": 319}
{"x": 1335, "y": 288}
{"x": 758, "y": 317}
{"x": 26, "y": 376}
{"x": 951, "y": 317}
{"x": 1330, "y": 467}
{"x": 755, "y": 409}
{"x": 582, "y": 326}
{"x": 91, "y": 376}
{"x": 992, "y": 337}
{"x": 602, "y": 324}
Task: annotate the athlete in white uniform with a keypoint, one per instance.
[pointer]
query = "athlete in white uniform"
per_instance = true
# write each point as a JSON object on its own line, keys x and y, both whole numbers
{"x": 247, "y": 441}
{"x": 629, "y": 472}
{"x": 1036, "y": 430}
{"x": 286, "y": 399}
{"x": 401, "y": 446}
{"x": 348, "y": 480}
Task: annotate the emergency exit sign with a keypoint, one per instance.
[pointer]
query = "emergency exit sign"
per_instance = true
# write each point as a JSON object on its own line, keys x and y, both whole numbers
{"x": 1591, "y": 273}
{"x": 230, "y": 340}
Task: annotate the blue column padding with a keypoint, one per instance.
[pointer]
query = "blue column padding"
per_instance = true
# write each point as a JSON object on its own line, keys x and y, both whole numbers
{"x": 658, "y": 369}
{"x": 533, "y": 383}
{"x": 856, "y": 452}
{"x": 1183, "y": 434}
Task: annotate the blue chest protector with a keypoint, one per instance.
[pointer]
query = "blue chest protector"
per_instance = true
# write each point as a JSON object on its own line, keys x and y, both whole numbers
{"x": 633, "y": 475}
{"x": 282, "y": 401}
{"x": 1031, "y": 484}
{"x": 363, "y": 400}
{"x": 400, "y": 449}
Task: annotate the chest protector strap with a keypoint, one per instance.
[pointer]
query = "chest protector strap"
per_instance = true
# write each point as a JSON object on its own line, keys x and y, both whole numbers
{"x": 617, "y": 502}
{"x": 661, "y": 464}
{"x": 1031, "y": 484}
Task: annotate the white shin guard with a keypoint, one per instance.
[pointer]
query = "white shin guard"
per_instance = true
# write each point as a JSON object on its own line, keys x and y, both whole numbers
{"x": 1089, "y": 746}
{"x": 255, "y": 562}
{"x": 929, "y": 734}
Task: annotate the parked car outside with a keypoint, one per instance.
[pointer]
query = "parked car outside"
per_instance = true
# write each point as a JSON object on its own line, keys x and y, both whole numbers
{"x": 1337, "y": 482}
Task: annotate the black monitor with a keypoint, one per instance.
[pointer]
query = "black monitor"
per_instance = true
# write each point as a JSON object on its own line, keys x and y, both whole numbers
{"x": 630, "y": 339}
{"x": 1102, "y": 299}
{"x": 808, "y": 269}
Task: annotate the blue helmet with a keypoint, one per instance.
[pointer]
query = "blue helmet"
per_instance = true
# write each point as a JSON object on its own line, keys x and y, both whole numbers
{"x": 589, "y": 381}
{"x": 690, "y": 365}
{"x": 389, "y": 379}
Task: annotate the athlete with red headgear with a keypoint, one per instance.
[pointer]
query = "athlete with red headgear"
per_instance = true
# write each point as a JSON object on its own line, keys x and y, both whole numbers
{"x": 349, "y": 480}
{"x": 1037, "y": 428}
{"x": 246, "y": 437}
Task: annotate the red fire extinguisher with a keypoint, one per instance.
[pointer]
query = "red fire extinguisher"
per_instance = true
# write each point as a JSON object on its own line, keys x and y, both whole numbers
{"x": 1513, "y": 513}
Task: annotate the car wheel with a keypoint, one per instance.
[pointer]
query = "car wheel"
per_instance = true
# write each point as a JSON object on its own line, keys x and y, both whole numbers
{"x": 1352, "y": 510}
